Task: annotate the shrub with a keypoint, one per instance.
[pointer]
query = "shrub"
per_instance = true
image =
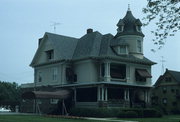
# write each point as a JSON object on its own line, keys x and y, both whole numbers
{"x": 128, "y": 114}
{"x": 151, "y": 113}
{"x": 131, "y": 114}
{"x": 92, "y": 112}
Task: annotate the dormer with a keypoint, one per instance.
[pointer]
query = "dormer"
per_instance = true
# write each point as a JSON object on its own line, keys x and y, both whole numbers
{"x": 120, "y": 47}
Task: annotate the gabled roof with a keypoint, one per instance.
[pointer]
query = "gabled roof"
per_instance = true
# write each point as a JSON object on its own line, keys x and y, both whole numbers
{"x": 174, "y": 74}
{"x": 63, "y": 45}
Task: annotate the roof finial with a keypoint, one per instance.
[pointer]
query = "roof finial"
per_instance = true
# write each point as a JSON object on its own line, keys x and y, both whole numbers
{"x": 129, "y": 7}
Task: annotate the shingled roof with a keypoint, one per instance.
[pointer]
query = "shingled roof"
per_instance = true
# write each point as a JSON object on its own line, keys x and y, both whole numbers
{"x": 175, "y": 74}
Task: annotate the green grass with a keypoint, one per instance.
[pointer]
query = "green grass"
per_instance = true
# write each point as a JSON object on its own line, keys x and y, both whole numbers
{"x": 30, "y": 118}
{"x": 33, "y": 118}
{"x": 170, "y": 118}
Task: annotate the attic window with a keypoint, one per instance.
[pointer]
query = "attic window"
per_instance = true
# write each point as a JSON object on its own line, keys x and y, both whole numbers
{"x": 50, "y": 54}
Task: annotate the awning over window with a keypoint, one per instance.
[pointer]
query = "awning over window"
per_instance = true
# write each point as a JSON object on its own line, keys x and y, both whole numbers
{"x": 62, "y": 94}
{"x": 143, "y": 73}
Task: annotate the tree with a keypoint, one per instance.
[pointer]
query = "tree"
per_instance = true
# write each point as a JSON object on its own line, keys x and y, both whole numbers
{"x": 10, "y": 94}
{"x": 167, "y": 13}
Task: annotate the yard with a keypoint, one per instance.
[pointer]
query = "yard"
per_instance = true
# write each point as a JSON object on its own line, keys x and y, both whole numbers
{"x": 33, "y": 118}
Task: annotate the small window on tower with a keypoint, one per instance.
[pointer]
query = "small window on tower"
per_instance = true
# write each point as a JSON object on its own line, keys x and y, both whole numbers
{"x": 138, "y": 28}
{"x": 139, "y": 46}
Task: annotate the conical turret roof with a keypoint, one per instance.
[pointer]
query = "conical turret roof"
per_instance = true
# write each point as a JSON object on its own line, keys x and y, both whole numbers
{"x": 129, "y": 23}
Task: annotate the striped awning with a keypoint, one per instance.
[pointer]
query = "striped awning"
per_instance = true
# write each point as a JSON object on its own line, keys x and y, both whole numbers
{"x": 143, "y": 73}
{"x": 61, "y": 94}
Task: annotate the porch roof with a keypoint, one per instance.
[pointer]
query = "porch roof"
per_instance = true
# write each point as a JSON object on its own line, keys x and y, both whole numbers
{"x": 62, "y": 94}
{"x": 118, "y": 83}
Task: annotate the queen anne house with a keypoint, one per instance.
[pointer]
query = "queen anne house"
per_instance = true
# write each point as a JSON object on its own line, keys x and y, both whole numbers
{"x": 98, "y": 70}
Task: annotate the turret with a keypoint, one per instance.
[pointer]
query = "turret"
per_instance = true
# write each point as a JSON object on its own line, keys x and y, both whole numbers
{"x": 129, "y": 30}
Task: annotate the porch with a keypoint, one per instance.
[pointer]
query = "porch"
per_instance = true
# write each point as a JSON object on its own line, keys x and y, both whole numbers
{"x": 111, "y": 96}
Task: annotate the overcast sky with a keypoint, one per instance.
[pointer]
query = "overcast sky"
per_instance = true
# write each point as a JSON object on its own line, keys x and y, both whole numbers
{"x": 23, "y": 22}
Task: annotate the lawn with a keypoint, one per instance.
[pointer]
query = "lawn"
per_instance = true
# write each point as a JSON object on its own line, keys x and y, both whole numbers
{"x": 33, "y": 118}
{"x": 170, "y": 118}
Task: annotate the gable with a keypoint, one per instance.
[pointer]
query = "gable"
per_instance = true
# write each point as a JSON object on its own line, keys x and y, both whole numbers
{"x": 166, "y": 79}
{"x": 62, "y": 46}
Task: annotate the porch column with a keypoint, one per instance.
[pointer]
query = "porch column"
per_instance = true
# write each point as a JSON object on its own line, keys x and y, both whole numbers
{"x": 125, "y": 94}
{"x": 107, "y": 76}
{"x": 75, "y": 95}
{"x": 146, "y": 96}
{"x": 106, "y": 94}
{"x": 102, "y": 95}
{"x": 99, "y": 93}
{"x": 128, "y": 94}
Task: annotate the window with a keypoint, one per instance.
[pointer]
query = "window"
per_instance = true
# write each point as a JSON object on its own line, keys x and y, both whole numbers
{"x": 168, "y": 79}
{"x": 118, "y": 71}
{"x": 54, "y": 101}
{"x": 39, "y": 77}
{"x": 142, "y": 75}
{"x": 50, "y": 54}
{"x": 164, "y": 101}
{"x": 55, "y": 73}
{"x": 139, "y": 46}
{"x": 122, "y": 49}
{"x": 121, "y": 28}
{"x": 102, "y": 70}
{"x": 70, "y": 75}
{"x": 138, "y": 28}
{"x": 164, "y": 89}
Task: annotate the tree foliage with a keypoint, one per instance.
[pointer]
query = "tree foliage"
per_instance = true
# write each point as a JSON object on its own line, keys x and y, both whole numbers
{"x": 9, "y": 93}
{"x": 168, "y": 14}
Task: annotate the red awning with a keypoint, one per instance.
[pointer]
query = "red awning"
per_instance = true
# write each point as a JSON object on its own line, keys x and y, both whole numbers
{"x": 144, "y": 73}
{"x": 62, "y": 94}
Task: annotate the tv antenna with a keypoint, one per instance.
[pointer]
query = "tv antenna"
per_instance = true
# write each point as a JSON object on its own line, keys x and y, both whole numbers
{"x": 162, "y": 63}
{"x": 54, "y": 24}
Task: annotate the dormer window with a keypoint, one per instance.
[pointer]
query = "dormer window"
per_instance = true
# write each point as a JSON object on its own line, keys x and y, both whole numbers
{"x": 50, "y": 54}
{"x": 138, "y": 28}
{"x": 121, "y": 49}
{"x": 121, "y": 28}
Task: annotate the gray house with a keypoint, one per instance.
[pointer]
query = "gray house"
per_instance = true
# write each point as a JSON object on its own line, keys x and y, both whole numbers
{"x": 98, "y": 70}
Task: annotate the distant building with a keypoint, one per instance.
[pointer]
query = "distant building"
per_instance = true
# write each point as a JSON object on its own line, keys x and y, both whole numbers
{"x": 166, "y": 92}
{"x": 99, "y": 70}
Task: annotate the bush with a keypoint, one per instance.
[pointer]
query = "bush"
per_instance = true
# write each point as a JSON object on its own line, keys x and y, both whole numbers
{"x": 127, "y": 114}
{"x": 131, "y": 114}
{"x": 93, "y": 112}
{"x": 151, "y": 113}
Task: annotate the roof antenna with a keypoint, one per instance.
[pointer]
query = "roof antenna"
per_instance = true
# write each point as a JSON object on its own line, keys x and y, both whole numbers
{"x": 54, "y": 26}
{"x": 162, "y": 61}
{"x": 129, "y": 7}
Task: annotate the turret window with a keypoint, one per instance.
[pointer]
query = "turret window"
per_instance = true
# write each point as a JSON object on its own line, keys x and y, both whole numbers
{"x": 138, "y": 28}
{"x": 139, "y": 46}
{"x": 121, "y": 28}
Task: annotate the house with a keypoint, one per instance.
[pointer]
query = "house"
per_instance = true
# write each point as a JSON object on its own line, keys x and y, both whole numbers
{"x": 166, "y": 92}
{"x": 98, "y": 70}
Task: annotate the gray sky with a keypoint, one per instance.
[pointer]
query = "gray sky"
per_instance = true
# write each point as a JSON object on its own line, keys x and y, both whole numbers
{"x": 23, "y": 22}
